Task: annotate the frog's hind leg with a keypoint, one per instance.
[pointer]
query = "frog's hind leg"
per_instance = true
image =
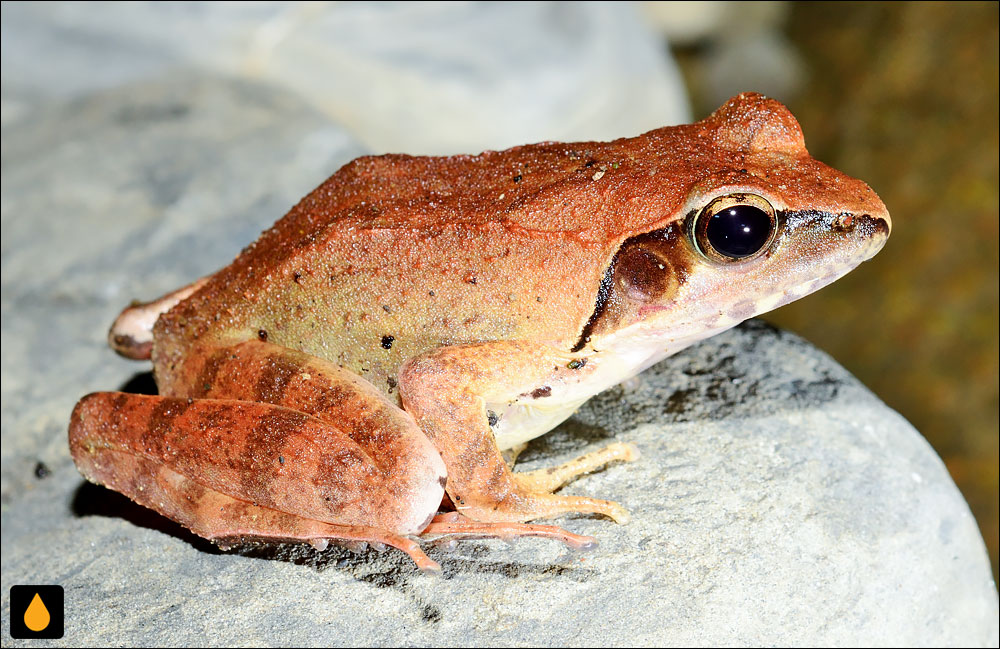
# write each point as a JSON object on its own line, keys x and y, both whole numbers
{"x": 273, "y": 374}
{"x": 267, "y": 373}
{"x": 241, "y": 471}
{"x": 262, "y": 442}
{"x": 105, "y": 455}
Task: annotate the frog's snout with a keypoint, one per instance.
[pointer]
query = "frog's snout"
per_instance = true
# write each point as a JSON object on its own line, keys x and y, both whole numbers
{"x": 850, "y": 237}
{"x": 875, "y": 229}
{"x": 869, "y": 231}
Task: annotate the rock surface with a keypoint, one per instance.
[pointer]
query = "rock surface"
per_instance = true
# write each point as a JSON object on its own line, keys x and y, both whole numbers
{"x": 402, "y": 77}
{"x": 776, "y": 502}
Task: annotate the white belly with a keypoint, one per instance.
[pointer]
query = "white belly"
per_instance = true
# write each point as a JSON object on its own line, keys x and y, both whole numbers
{"x": 616, "y": 359}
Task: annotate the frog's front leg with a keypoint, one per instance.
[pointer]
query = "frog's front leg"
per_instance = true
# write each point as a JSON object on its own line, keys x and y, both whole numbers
{"x": 447, "y": 392}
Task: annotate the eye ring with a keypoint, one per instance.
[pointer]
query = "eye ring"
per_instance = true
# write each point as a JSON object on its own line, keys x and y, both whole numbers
{"x": 735, "y": 228}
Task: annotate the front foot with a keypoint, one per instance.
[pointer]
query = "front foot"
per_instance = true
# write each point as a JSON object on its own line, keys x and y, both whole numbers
{"x": 522, "y": 505}
{"x": 545, "y": 481}
{"x": 532, "y": 498}
{"x": 553, "y": 478}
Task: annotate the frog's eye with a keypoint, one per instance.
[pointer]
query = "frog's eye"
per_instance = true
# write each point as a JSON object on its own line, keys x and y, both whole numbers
{"x": 735, "y": 227}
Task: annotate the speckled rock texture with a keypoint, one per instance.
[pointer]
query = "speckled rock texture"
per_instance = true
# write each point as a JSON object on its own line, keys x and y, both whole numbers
{"x": 776, "y": 502}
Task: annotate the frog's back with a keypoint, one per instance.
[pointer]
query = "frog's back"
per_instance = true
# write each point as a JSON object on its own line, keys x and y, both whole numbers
{"x": 395, "y": 255}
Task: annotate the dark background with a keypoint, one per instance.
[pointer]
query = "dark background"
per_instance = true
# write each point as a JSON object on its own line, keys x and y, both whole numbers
{"x": 904, "y": 96}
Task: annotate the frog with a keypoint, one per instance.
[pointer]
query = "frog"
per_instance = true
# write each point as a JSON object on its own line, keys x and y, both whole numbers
{"x": 367, "y": 370}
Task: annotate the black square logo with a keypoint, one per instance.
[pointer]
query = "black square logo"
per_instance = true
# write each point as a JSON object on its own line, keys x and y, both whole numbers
{"x": 36, "y": 612}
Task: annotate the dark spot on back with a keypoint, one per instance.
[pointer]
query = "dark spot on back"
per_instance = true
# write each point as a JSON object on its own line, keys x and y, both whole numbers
{"x": 544, "y": 391}
{"x": 387, "y": 342}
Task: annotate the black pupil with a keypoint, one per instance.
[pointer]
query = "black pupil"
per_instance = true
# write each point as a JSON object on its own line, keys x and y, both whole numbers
{"x": 739, "y": 231}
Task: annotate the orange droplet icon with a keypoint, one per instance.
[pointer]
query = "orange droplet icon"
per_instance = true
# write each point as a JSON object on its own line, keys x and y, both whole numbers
{"x": 36, "y": 617}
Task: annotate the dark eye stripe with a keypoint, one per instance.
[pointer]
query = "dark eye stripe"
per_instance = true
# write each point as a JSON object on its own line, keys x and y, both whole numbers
{"x": 603, "y": 293}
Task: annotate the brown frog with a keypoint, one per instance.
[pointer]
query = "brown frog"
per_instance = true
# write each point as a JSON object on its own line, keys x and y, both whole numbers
{"x": 361, "y": 367}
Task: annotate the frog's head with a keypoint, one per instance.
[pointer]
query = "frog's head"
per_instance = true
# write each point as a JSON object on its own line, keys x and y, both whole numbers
{"x": 762, "y": 224}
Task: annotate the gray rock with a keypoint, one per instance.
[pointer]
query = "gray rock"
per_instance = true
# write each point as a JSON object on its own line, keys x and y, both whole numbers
{"x": 402, "y": 77}
{"x": 777, "y": 501}
{"x": 128, "y": 194}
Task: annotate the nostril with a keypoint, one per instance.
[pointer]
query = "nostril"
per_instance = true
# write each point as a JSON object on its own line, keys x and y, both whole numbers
{"x": 844, "y": 222}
